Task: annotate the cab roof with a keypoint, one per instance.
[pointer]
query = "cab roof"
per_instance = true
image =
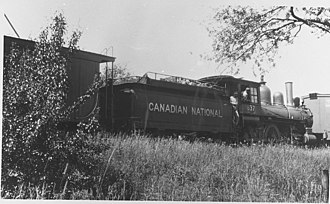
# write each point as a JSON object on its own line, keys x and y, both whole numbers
{"x": 227, "y": 78}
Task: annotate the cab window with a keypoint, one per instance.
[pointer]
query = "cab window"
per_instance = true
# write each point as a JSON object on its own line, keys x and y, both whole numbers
{"x": 249, "y": 94}
{"x": 254, "y": 95}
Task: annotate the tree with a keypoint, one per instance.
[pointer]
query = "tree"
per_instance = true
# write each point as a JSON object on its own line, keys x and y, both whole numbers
{"x": 35, "y": 87}
{"x": 119, "y": 71}
{"x": 242, "y": 34}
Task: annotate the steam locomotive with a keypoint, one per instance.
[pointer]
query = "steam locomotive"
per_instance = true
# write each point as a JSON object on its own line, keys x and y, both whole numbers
{"x": 221, "y": 107}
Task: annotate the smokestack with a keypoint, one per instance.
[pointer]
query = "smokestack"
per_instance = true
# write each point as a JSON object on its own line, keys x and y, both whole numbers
{"x": 289, "y": 93}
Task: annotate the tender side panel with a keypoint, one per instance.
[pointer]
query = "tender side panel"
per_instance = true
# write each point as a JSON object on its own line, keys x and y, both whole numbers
{"x": 165, "y": 109}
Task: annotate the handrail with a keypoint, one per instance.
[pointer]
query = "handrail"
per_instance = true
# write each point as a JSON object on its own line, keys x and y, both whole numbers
{"x": 318, "y": 95}
{"x": 167, "y": 78}
{"x": 181, "y": 80}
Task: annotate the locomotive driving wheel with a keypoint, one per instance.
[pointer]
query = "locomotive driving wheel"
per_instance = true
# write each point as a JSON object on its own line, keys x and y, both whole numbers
{"x": 272, "y": 134}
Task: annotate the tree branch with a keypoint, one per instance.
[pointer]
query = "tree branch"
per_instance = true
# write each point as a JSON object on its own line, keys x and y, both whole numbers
{"x": 246, "y": 34}
{"x": 307, "y": 22}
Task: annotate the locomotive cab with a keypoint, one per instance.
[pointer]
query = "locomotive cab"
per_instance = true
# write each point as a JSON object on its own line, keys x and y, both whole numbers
{"x": 259, "y": 119}
{"x": 248, "y": 91}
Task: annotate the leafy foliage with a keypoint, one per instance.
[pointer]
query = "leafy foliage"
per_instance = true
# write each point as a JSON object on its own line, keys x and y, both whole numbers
{"x": 241, "y": 34}
{"x": 34, "y": 149}
{"x": 119, "y": 71}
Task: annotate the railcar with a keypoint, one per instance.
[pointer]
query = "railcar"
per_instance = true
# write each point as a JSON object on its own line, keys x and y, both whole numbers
{"x": 320, "y": 106}
{"x": 162, "y": 103}
{"x": 82, "y": 68}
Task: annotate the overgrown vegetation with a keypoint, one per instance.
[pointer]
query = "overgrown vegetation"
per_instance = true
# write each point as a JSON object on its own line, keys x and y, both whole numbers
{"x": 142, "y": 168}
{"x": 35, "y": 86}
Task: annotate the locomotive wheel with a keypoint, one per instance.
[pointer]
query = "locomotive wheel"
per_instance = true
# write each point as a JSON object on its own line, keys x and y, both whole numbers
{"x": 272, "y": 134}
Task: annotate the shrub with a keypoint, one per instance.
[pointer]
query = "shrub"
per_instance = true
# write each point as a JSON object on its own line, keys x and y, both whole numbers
{"x": 35, "y": 86}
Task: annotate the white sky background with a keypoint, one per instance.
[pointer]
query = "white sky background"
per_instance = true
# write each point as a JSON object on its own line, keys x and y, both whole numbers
{"x": 165, "y": 36}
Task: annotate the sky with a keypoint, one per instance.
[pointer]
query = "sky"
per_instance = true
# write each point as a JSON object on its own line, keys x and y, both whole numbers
{"x": 166, "y": 36}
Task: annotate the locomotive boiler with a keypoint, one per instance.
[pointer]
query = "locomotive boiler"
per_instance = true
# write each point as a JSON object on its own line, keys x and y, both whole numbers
{"x": 176, "y": 105}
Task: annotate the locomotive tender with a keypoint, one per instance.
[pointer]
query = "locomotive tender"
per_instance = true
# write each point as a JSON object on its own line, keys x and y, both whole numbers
{"x": 175, "y": 105}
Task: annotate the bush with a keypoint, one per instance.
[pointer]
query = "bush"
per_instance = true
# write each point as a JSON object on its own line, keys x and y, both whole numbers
{"x": 35, "y": 151}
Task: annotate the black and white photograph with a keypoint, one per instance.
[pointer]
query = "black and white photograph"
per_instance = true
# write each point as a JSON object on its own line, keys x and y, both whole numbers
{"x": 165, "y": 100}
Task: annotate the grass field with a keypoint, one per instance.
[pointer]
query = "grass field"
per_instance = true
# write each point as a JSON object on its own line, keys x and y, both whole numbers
{"x": 142, "y": 168}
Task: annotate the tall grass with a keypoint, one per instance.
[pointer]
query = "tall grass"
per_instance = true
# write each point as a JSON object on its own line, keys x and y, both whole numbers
{"x": 143, "y": 168}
